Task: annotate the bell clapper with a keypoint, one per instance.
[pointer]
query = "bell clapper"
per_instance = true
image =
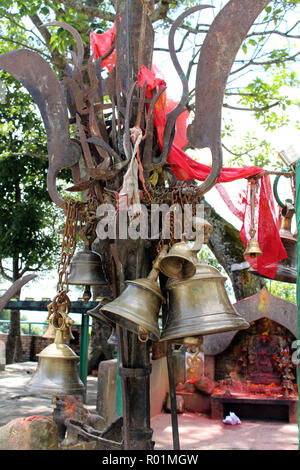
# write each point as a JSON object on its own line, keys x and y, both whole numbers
{"x": 87, "y": 294}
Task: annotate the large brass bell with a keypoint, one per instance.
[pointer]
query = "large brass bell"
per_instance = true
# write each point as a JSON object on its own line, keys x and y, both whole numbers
{"x": 57, "y": 371}
{"x": 86, "y": 269}
{"x": 199, "y": 306}
{"x": 179, "y": 262}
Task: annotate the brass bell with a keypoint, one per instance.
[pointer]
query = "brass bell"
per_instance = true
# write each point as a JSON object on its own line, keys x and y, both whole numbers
{"x": 179, "y": 262}
{"x": 86, "y": 269}
{"x": 286, "y": 268}
{"x": 137, "y": 308}
{"x": 96, "y": 313}
{"x": 57, "y": 372}
{"x": 50, "y": 332}
{"x": 199, "y": 306}
{"x": 253, "y": 250}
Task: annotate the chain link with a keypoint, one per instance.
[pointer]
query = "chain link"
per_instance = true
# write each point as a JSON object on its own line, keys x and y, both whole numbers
{"x": 68, "y": 244}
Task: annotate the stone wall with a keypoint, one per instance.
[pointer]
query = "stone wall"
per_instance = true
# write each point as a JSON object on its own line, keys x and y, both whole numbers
{"x": 32, "y": 345}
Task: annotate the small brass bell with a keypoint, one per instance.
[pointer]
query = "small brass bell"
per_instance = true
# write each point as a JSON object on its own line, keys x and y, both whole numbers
{"x": 96, "y": 313}
{"x": 86, "y": 269}
{"x": 57, "y": 371}
{"x": 199, "y": 306}
{"x": 179, "y": 262}
{"x": 253, "y": 250}
{"x": 50, "y": 332}
{"x": 286, "y": 268}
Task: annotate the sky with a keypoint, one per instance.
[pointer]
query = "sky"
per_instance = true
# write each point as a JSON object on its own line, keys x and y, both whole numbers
{"x": 45, "y": 286}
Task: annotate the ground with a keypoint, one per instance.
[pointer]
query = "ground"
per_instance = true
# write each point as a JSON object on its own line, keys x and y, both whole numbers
{"x": 196, "y": 432}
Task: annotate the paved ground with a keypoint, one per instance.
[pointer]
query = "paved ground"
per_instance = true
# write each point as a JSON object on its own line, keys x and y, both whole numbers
{"x": 196, "y": 432}
{"x": 203, "y": 433}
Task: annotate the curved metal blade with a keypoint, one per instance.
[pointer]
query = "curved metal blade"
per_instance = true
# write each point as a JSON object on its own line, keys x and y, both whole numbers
{"x": 217, "y": 55}
{"x": 34, "y": 73}
{"x": 76, "y": 36}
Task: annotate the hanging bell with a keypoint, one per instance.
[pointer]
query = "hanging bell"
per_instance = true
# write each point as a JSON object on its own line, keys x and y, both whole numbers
{"x": 179, "y": 262}
{"x": 137, "y": 308}
{"x": 286, "y": 268}
{"x": 86, "y": 269}
{"x": 57, "y": 372}
{"x": 96, "y": 313}
{"x": 199, "y": 306}
{"x": 50, "y": 332}
{"x": 253, "y": 250}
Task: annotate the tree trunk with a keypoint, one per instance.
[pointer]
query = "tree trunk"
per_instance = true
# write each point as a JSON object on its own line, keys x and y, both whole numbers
{"x": 14, "y": 350}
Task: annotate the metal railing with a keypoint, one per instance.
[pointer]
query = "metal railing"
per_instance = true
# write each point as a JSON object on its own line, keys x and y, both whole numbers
{"x": 30, "y": 323}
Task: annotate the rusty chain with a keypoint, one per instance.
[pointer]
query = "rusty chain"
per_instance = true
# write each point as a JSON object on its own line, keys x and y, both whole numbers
{"x": 68, "y": 243}
{"x": 58, "y": 309}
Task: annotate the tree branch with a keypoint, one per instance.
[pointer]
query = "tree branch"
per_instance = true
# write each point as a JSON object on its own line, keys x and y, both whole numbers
{"x": 4, "y": 274}
{"x": 264, "y": 108}
{"x": 9, "y": 39}
{"x": 89, "y": 11}
{"x": 58, "y": 59}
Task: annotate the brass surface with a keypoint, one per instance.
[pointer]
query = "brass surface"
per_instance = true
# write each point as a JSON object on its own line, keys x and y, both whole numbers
{"x": 179, "y": 262}
{"x": 86, "y": 269}
{"x": 137, "y": 307}
{"x": 57, "y": 372}
{"x": 200, "y": 306}
{"x": 253, "y": 250}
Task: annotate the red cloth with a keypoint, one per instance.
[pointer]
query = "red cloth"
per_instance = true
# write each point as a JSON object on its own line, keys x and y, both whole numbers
{"x": 185, "y": 168}
{"x": 101, "y": 43}
{"x": 266, "y": 230}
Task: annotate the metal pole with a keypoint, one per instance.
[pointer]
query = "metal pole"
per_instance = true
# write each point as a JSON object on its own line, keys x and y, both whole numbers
{"x": 84, "y": 342}
{"x": 175, "y": 433}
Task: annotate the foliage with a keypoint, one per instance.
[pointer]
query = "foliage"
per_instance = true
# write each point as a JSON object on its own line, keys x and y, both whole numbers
{"x": 284, "y": 290}
{"x": 27, "y": 216}
{"x": 4, "y": 327}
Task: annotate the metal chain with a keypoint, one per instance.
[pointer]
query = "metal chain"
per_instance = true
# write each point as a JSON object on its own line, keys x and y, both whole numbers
{"x": 58, "y": 309}
{"x": 68, "y": 244}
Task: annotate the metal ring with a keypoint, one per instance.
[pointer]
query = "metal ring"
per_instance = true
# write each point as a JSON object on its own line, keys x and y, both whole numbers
{"x": 275, "y": 187}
